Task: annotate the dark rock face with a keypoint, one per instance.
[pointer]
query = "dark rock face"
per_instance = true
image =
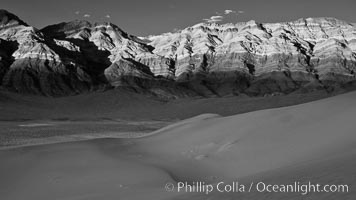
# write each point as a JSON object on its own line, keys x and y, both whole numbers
{"x": 6, "y": 49}
{"x": 32, "y": 63}
{"x": 205, "y": 59}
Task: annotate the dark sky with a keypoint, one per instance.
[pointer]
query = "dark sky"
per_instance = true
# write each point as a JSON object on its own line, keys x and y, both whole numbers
{"x": 145, "y": 17}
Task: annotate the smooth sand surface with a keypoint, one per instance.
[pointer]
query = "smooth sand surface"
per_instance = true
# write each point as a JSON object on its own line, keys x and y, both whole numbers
{"x": 313, "y": 142}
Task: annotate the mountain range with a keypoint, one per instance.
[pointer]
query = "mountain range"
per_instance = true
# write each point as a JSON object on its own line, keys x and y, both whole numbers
{"x": 206, "y": 59}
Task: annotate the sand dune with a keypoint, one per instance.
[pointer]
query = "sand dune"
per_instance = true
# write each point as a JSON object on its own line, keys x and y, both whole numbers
{"x": 308, "y": 142}
{"x": 288, "y": 135}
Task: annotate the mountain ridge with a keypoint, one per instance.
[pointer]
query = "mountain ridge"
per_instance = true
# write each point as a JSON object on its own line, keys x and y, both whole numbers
{"x": 205, "y": 59}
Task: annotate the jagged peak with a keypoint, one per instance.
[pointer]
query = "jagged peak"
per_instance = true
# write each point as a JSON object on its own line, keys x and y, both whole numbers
{"x": 80, "y": 24}
{"x": 9, "y": 19}
{"x": 77, "y": 25}
{"x": 68, "y": 26}
{"x": 108, "y": 25}
{"x": 208, "y": 27}
{"x": 323, "y": 21}
{"x": 320, "y": 20}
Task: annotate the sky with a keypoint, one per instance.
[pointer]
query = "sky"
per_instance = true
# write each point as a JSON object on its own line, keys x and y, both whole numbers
{"x": 149, "y": 17}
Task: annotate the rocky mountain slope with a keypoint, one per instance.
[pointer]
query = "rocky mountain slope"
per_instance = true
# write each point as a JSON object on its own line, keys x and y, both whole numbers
{"x": 205, "y": 59}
